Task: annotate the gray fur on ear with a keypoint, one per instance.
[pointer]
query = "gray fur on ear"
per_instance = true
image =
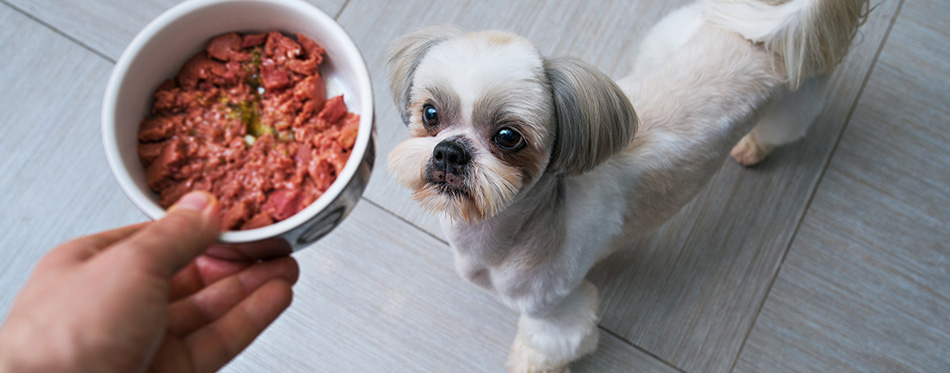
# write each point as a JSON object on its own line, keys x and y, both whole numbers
{"x": 405, "y": 53}
{"x": 594, "y": 117}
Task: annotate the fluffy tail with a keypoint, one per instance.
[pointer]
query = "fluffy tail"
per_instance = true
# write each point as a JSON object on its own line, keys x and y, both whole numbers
{"x": 809, "y": 37}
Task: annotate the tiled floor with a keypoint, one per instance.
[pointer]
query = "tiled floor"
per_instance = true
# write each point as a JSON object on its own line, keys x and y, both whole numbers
{"x": 833, "y": 255}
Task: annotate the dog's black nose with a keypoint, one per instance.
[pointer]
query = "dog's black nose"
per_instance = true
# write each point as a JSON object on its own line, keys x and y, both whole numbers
{"x": 449, "y": 155}
{"x": 449, "y": 163}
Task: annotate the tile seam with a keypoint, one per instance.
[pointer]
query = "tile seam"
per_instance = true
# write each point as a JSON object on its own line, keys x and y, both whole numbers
{"x": 814, "y": 189}
{"x": 36, "y": 19}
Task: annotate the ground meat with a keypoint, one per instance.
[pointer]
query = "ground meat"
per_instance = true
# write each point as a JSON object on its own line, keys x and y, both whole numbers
{"x": 248, "y": 120}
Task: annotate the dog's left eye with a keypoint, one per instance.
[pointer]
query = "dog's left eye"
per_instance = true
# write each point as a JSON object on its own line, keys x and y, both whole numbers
{"x": 430, "y": 117}
{"x": 509, "y": 139}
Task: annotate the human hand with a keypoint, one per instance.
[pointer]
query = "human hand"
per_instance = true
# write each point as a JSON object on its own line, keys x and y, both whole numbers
{"x": 141, "y": 297}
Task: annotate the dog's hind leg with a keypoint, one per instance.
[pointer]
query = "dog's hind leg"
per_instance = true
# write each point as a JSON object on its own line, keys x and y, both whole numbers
{"x": 786, "y": 120}
{"x": 549, "y": 343}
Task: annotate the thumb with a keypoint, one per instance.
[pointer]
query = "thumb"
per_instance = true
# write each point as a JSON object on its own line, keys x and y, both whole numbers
{"x": 166, "y": 246}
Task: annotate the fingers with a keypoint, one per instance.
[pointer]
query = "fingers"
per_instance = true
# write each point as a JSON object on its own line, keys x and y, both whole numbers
{"x": 211, "y": 303}
{"x": 202, "y": 272}
{"x": 85, "y": 247}
{"x": 264, "y": 249}
{"x": 216, "y": 344}
{"x": 167, "y": 245}
{"x": 212, "y": 269}
{"x": 221, "y": 261}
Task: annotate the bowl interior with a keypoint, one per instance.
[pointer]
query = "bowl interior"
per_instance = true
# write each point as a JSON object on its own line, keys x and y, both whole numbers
{"x": 159, "y": 51}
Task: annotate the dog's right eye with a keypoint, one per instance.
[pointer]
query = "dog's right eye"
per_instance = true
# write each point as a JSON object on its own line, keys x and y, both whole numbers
{"x": 430, "y": 117}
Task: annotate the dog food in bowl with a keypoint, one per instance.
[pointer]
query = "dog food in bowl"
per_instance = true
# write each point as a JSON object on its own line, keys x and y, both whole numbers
{"x": 248, "y": 120}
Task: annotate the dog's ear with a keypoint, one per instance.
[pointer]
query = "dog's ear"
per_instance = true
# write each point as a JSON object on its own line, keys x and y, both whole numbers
{"x": 405, "y": 53}
{"x": 594, "y": 117}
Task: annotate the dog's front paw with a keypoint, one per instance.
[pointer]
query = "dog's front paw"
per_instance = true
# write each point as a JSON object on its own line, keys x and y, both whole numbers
{"x": 524, "y": 359}
{"x": 749, "y": 152}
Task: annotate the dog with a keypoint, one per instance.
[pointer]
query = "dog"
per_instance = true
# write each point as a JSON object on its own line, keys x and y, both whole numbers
{"x": 540, "y": 167}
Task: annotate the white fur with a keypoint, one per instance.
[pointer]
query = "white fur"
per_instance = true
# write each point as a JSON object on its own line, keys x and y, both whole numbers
{"x": 476, "y": 66}
{"x": 570, "y": 333}
{"x": 811, "y": 36}
{"x": 786, "y": 120}
{"x": 697, "y": 89}
{"x": 789, "y": 117}
{"x": 758, "y": 21}
{"x": 666, "y": 37}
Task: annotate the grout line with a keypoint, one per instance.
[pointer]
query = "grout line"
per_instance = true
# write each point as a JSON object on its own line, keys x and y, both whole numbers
{"x": 601, "y": 327}
{"x": 58, "y": 31}
{"x": 87, "y": 46}
{"x": 641, "y": 349}
{"x": 821, "y": 178}
{"x": 414, "y": 225}
{"x": 337, "y": 16}
{"x": 624, "y": 340}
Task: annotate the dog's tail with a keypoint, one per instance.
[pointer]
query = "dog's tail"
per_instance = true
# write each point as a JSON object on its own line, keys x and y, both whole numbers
{"x": 809, "y": 37}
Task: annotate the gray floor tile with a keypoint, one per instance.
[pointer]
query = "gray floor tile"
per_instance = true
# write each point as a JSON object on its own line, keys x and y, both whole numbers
{"x": 54, "y": 178}
{"x": 377, "y": 295}
{"x": 107, "y": 26}
{"x": 866, "y": 284}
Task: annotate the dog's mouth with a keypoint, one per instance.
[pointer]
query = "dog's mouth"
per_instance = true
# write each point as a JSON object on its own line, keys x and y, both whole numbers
{"x": 449, "y": 181}
{"x": 456, "y": 201}
{"x": 449, "y": 185}
{"x": 451, "y": 190}
{"x": 449, "y": 193}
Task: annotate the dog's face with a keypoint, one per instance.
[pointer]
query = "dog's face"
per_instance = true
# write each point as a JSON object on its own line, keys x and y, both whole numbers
{"x": 488, "y": 116}
{"x": 480, "y": 114}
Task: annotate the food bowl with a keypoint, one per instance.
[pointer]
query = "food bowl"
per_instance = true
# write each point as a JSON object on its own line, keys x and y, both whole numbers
{"x": 165, "y": 44}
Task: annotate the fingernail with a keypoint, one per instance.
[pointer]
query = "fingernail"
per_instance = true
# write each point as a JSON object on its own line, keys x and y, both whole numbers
{"x": 192, "y": 201}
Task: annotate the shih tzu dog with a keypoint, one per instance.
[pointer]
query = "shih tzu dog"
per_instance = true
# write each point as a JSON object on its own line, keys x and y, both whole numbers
{"x": 540, "y": 167}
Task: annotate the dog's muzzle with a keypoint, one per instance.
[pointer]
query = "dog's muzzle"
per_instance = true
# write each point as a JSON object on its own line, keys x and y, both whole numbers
{"x": 450, "y": 161}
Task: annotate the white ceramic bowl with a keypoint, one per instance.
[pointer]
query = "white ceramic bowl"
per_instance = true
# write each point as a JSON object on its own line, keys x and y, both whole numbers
{"x": 162, "y": 47}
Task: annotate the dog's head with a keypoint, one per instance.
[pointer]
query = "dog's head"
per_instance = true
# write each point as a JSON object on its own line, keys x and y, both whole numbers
{"x": 488, "y": 117}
